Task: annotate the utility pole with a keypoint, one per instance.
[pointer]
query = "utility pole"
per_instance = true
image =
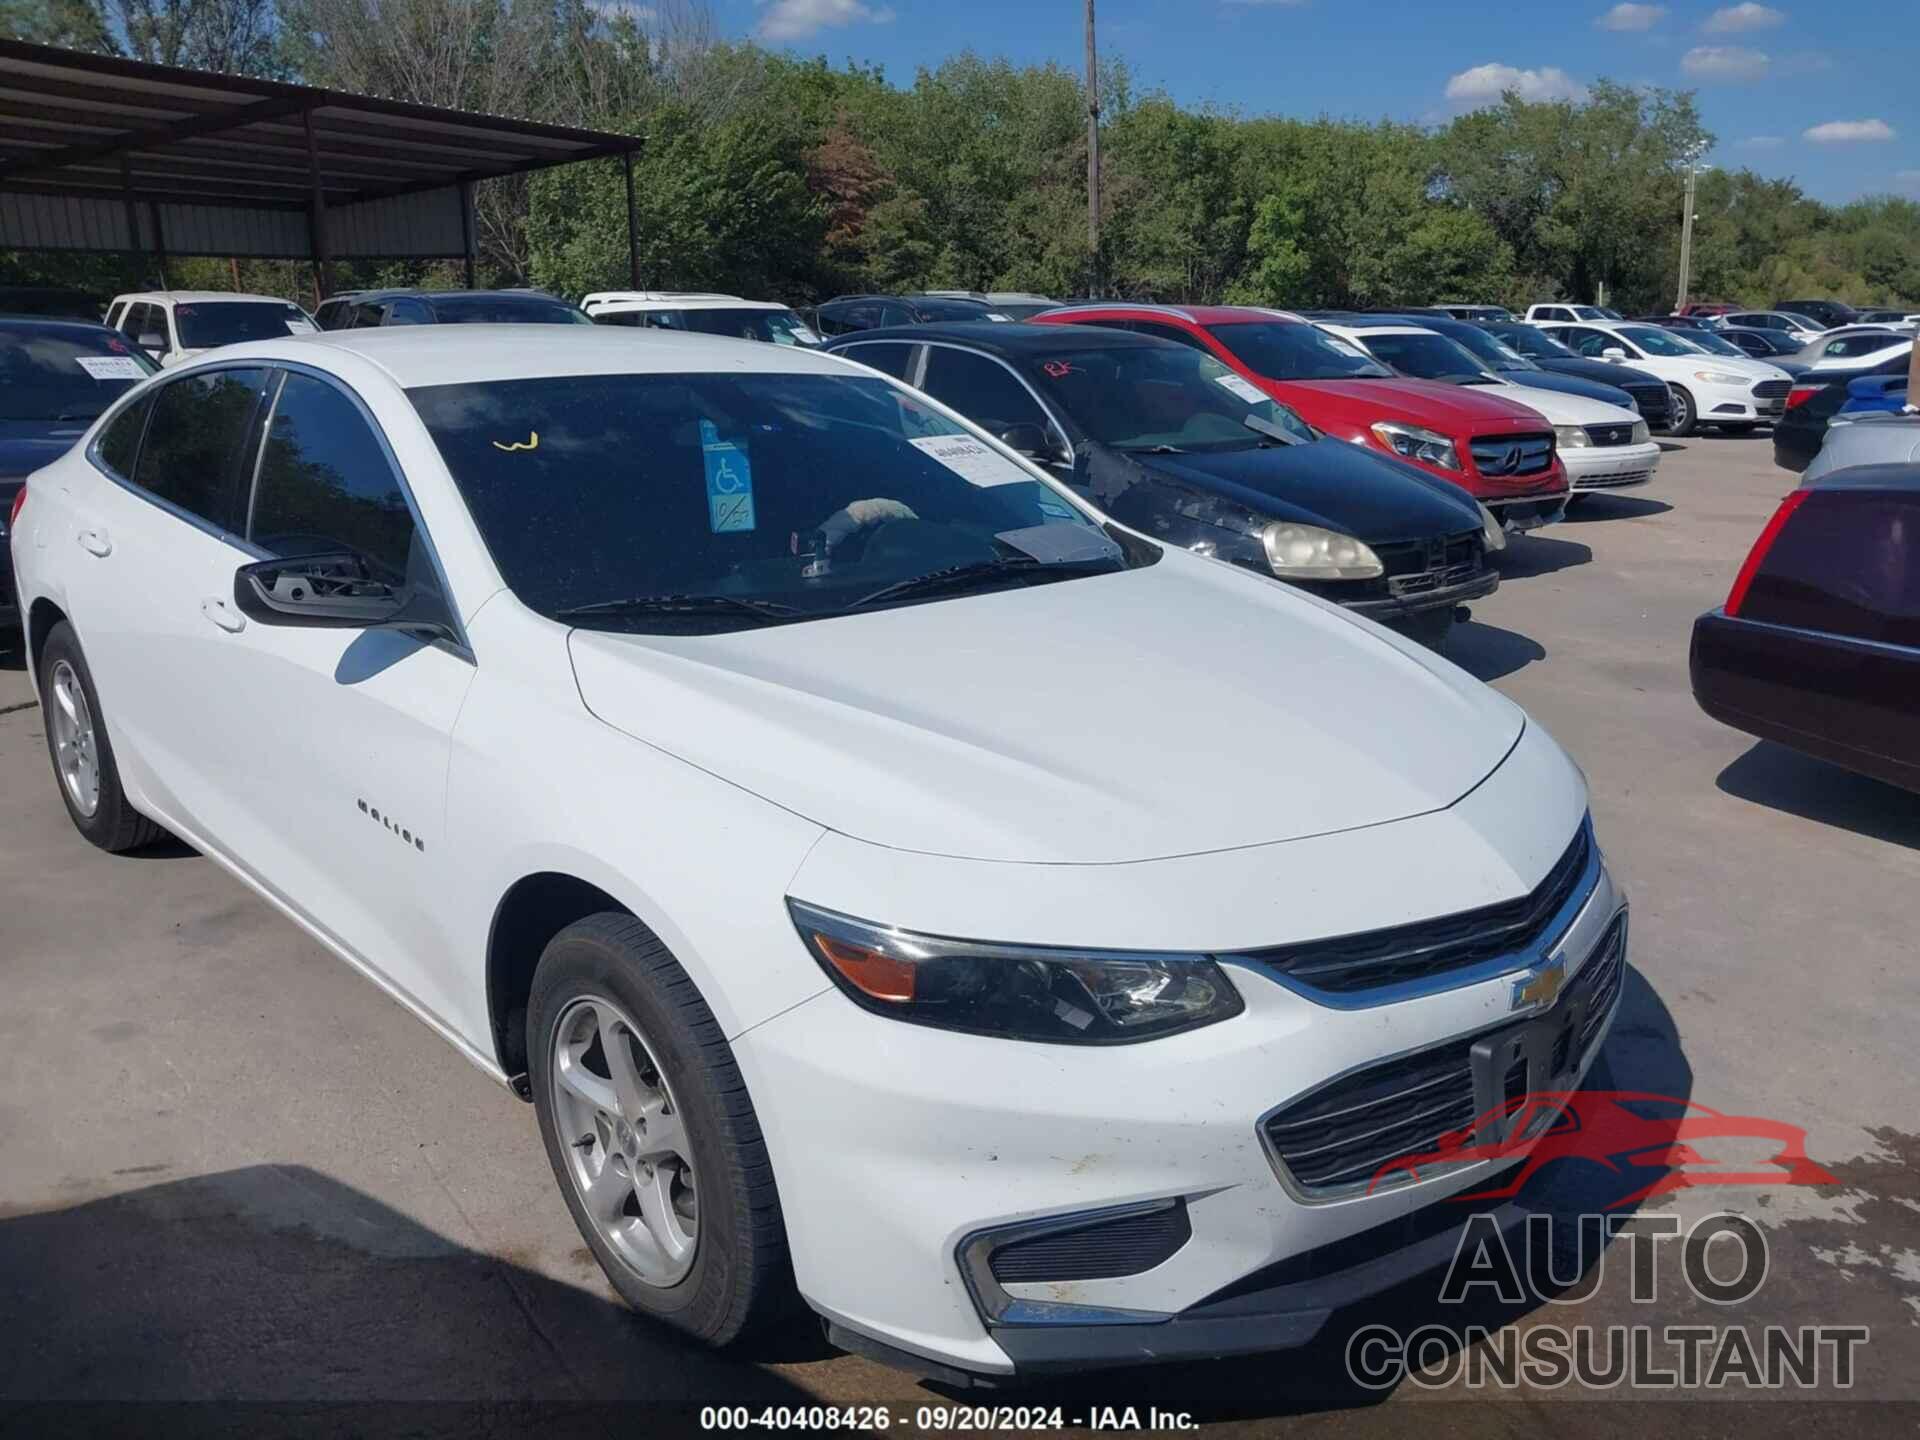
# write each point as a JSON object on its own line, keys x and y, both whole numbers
{"x": 1686, "y": 235}
{"x": 1093, "y": 156}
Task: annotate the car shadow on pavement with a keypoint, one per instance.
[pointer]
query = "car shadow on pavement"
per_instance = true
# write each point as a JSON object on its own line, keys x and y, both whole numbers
{"x": 1537, "y": 554}
{"x": 1487, "y": 652}
{"x": 1614, "y": 507}
{"x": 273, "y": 1299}
{"x": 1782, "y": 779}
{"x": 1642, "y": 1054}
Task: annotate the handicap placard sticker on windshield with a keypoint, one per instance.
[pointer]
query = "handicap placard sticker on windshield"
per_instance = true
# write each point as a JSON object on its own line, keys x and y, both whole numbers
{"x": 970, "y": 460}
{"x": 1244, "y": 389}
{"x": 110, "y": 367}
{"x": 729, "y": 483}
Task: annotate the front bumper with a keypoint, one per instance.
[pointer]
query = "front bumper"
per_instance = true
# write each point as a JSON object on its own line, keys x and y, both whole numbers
{"x": 1610, "y": 467}
{"x": 1390, "y": 608}
{"x": 898, "y": 1145}
{"x": 1522, "y": 513}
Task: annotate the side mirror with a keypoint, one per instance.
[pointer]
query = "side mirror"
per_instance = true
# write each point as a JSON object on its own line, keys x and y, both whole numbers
{"x": 1613, "y": 353}
{"x": 1031, "y": 441}
{"x": 334, "y": 592}
{"x": 152, "y": 341}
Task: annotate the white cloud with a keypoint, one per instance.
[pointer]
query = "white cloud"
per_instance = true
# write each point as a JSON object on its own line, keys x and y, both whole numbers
{"x": 1724, "y": 62}
{"x": 1759, "y": 142}
{"x": 1841, "y": 132}
{"x": 1735, "y": 18}
{"x": 798, "y": 19}
{"x": 1632, "y": 17}
{"x": 1485, "y": 84}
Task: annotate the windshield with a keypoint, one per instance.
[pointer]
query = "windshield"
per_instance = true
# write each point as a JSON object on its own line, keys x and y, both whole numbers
{"x": 1534, "y": 343}
{"x": 1424, "y": 355}
{"x": 1161, "y": 397}
{"x": 1282, "y": 351}
{"x": 203, "y": 324}
{"x": 725, "y": 500}
{"x": 1656, "y": 341}
{"x": 1023, "y": 309}
{"x": 1711, "y": 344}
{"x": 49, "y": 376}
{"x": 938, "y": 309}
{"x": 778, "y": 327}
{"x": 505, "y": 310}
{"x": 1491, "y": 351}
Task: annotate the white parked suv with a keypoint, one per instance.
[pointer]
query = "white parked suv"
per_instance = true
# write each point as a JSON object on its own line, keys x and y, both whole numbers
{"x": 177, "y": 325}
{"x": 728, "y": 316}
{"x": 791, "y": 791}
{"x": 1561, "y": 312}
{"x": 1733, "y": 393}
{"x": 1604, "y": 447}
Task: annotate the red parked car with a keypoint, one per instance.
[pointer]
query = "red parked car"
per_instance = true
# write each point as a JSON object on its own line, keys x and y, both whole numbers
{"x": 1498, "y": 451}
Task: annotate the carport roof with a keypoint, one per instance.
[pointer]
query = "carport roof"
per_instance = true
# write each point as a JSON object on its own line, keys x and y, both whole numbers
{"x": 77, "y": 124}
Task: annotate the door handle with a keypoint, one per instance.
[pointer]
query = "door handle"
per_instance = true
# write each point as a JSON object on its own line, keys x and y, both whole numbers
{"x": 95, "y": 541}
{"x": 223, "y": 615}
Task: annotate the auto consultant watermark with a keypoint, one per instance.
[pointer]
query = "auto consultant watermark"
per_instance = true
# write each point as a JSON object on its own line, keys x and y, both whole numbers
{"x": 1722, "y": 1259}
{"x": 1644, "y": 1145}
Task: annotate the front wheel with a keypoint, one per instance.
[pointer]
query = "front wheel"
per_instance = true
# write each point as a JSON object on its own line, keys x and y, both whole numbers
{"x": 82, "y": 755}
{"x": 651, "y": 1134}
{"x": 1685, "y": 417}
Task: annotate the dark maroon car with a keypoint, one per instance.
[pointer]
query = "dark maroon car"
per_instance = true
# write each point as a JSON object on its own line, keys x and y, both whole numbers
{"x": 1818, "y": 645}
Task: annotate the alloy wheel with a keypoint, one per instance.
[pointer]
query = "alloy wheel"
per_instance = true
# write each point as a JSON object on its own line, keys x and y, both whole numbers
{"x": 628, "y": 1153}
{"x": 75, "y": 748}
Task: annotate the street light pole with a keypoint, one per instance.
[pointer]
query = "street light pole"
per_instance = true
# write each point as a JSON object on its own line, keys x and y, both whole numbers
{"x": 1093, "y": 156}
{"x": 1686, "y": 236}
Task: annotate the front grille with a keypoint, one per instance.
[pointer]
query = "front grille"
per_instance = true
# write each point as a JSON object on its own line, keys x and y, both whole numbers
{"x": 1652, "y": 401}
{"x": 1610, "y": 434}
{"x": 1418, "y": 566}
{"x": 1374, "y": 958}
{"x": 1340, "y": 1136}
{"x": 1772, "y": 389}
{"x": 1105, "y": 1250}
{"x": 1499, "y": 456}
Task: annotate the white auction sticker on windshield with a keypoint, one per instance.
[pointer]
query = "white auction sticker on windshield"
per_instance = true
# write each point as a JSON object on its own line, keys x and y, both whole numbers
{"x": 805, "y": 336}
{"x": 970, "y": 460}
{"x": 297, "y": 326}
{"x": 1244, "y": 389}
{"x": 110, "y": 367}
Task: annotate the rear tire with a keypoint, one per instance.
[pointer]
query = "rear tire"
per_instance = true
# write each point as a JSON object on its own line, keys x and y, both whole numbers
{"x": 658, "y": 1154}
{"x": 1686, "y": 417}
{"x": 82, "y": 755}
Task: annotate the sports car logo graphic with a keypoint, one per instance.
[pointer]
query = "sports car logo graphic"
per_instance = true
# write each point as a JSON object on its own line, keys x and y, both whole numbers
{"x": 1673, "y": 1144}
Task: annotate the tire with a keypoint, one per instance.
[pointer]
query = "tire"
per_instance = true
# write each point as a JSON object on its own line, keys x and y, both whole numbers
{"x": 609, "y": 975}
{"x": 1741, "y": 429}
{"x": 78, "y": 745}
{"x": 1686, "y": 416}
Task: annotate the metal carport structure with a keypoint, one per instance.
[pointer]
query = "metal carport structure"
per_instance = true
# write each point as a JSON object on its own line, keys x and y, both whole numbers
{"x": 99, "y": 153}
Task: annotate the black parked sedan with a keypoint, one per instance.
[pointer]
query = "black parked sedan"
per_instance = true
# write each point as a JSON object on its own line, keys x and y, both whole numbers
{"x": 1818, "y": 645}
{"x": 56, "y": 377}
{"x": 1815, "y": 399}
{"x": 1173, "y": 443}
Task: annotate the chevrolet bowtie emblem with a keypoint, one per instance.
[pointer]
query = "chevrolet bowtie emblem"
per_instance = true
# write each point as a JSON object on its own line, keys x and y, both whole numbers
{"x": 1538, "y": 988}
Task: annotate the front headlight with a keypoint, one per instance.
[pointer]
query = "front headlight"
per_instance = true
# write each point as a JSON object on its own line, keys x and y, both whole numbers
{"x": 1718, "y": 377}
{"x": 1640, "y": 432}
{"x": 1491, "y": 530}
{"x": 1016, "y": 992}
{"x": 1570, "y": 437}
{"x": 1416, "y": 442}
{"x": 1306, "y": 552}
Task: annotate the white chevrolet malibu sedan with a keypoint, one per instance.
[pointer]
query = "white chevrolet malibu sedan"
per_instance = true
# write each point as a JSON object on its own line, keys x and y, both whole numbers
{"x": 893, "y": 885}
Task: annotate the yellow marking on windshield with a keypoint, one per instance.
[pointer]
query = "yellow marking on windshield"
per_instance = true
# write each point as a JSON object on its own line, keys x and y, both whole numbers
{"x": 532, "y": 442}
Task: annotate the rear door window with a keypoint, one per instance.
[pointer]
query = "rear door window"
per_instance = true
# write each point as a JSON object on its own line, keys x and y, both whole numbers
{"x": 1169, "y": 332}
{"x": 982, "y": 389}
{"x": 194, "y": 441}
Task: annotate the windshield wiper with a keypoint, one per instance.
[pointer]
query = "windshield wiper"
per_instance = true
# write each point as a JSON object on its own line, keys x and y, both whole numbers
{"x": 766, "y": 610}
{"x": 1270, "y": 430}
{"x": 976, "y": 570}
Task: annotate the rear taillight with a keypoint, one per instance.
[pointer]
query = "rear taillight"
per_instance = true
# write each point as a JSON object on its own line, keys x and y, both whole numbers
{"x": 1800, "y": 394}
{"x": 19, "y": 499}
{"x": 1737, "y": 596}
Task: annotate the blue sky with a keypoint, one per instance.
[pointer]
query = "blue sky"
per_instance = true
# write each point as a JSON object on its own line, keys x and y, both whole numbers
{"x": 1828, "y": 95}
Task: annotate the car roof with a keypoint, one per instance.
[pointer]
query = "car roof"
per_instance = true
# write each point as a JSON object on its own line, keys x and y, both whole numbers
{"x": 416, "y": 355}
{"x": 1381, "y": 325}
{"x": 197, "y": 297}
{"x": 1871, "y": 477}
{"x": 414, "y": 292}
{"x": 55, "y": 324}
{"x": 1008, "y": 338}
{"x": 683, "y": 302}
{"x": 1193, "y": 314}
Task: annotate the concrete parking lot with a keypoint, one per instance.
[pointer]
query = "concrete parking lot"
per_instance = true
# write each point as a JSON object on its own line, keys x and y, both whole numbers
{"x": 234, "y": 1172}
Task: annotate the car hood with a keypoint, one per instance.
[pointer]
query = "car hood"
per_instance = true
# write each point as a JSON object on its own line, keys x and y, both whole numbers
{"x": 26, "y": 445}
{"x": 1564, "y": 409}
{"x": 1608, "y": 394}
{"x": 1601, "y": 372}
{"x": 1453, "y": 409}
{"x": 1175, "y": 709}
{"x": 1329, "y": 483}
